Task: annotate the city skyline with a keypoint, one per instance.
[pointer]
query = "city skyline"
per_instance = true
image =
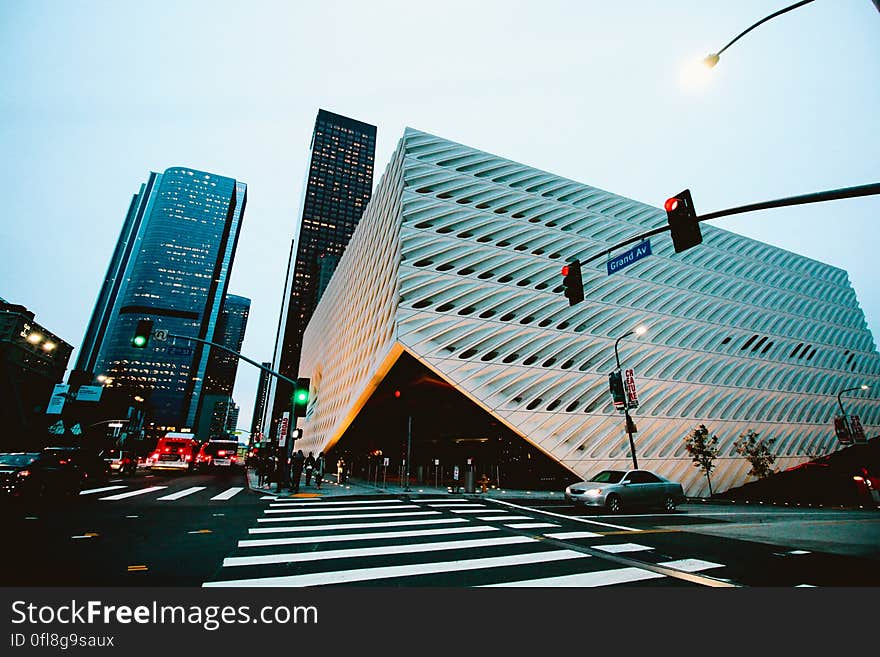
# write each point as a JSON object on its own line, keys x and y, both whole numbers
{"x": 776, "y": 120}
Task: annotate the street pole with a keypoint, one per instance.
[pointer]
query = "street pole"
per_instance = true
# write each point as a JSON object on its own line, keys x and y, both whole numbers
{"x": 843, "y": 412}
{"x": 632, "y": 445}
{"x": 408, "y": 449}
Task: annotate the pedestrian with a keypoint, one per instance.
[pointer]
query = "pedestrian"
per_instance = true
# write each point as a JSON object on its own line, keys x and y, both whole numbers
{"x": 309, "y": 465}
{"x": 340, "y": 471}
{"x": 262, "y": 468}
{"x": 319, "y": 469}
{"x": 296, "y": 468}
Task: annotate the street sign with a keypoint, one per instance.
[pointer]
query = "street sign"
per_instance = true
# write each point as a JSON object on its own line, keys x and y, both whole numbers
{"x": 630, "y": 384}
{"x": 436, "y": 461}
{"x": 842, "y": 431}
{"x": 89, "y": 393}
{"x": 625, "y": 259}
{"x": 56, "y": 401}
{"x": 160, "y": 335}
{"x": 282, "y": 429}
{"x": 858, "y": 432}
{"x": 386, "y": 461}
{"x": 455, "y": 473}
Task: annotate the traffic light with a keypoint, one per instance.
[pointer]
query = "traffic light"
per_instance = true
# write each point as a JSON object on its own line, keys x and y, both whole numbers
{"x": 573, "y": 282}
{"x": 301, "y": 397}
{"x": 683, "y": 223}
{"x": 615, "y": 383}
{"x": 142, "y": 333}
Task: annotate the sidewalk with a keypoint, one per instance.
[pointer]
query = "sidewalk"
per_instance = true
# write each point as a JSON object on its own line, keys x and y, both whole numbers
{"x": 359, "y": 487}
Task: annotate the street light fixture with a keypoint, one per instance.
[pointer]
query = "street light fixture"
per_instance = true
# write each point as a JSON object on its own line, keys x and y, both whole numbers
{"x": 712, "y": 59}
{"x": 639, "y": 330}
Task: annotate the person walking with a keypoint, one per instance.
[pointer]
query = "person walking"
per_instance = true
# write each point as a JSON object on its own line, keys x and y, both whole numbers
{"x": 319, "y": 469}
{"x": 296, "y": 469}
{"x": 309, "y": 466}
{"x": 340, "y": 471}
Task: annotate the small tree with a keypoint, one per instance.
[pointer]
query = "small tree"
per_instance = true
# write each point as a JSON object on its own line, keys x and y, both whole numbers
{"x": 757, "y": 452}
{"x": 703, "y": 451}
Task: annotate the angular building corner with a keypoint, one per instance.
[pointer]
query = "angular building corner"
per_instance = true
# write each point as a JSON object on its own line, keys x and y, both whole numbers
{"x": 457, "y": 262}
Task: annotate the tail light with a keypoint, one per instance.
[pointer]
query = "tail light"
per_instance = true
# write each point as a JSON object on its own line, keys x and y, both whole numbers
{"x": 232, "y": 458}
{"x": 24, "y": 473}
{"x": 167, "y": 449}
{"x": 221, "y": 452}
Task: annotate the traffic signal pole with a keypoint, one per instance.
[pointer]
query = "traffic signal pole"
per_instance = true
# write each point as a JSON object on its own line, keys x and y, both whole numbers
{"x": 815, "y": 197}
{"x": 628, "y": 420}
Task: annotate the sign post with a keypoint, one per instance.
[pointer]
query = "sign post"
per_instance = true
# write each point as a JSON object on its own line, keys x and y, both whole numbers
{"x": 631, "y": 399}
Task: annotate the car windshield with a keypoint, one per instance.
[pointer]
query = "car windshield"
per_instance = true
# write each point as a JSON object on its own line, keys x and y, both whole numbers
{"x": 215, "y": 446}
{"x": 17, "y": 460}
{"x": 113, "y": 454}
{"x": 608, "y": 477}
{"x": 176, "y": 444}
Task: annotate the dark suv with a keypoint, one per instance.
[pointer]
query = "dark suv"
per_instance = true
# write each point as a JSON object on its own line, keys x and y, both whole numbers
{"x": 91, "y": 467}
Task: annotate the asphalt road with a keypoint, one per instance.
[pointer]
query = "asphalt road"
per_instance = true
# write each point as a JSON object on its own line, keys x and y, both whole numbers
{"x": 210, "y": 530}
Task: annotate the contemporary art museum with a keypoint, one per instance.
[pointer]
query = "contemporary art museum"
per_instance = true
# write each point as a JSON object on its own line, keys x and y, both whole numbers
{"x": 444, "y": 332}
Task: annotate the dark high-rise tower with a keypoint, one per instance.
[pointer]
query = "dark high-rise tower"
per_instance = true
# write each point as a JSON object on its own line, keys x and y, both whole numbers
{"x": 223, "y": 366}
{"x": 171, "y": 265}
{"x": 339, "y": 186}
{"x": 258, "y": 419}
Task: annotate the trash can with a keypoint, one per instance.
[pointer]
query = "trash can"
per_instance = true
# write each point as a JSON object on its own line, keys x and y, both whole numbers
{"x": 470, "y": 482}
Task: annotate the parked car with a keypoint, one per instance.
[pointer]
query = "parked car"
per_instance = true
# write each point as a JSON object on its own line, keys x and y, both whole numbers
{"x": 121, "y": 461}
{"x": 36, "y": 474}
{"x": 91, "y": 467}
{"x": 619, "y": 489}
{"x": 218, "y": 454}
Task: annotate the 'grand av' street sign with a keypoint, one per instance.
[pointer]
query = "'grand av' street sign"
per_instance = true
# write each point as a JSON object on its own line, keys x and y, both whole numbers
{"x": 625, "y": 259}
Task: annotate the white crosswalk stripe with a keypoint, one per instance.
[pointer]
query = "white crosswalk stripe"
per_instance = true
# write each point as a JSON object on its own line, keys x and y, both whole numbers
{"x": 133, "y": 493}
{"x": 315, "y": 502}
{"x": 530, "y": 525}
{"x": 350, "y": 515}
{"x": 228, "y": 494}
{"x": 92, "y": 491}
{"x": 622, "y": 547}
{"x": 181, "y": 493}
{"x": 355, "y": 525}
{"x": 368, "y": 536}
{"x": 338, "y": 508}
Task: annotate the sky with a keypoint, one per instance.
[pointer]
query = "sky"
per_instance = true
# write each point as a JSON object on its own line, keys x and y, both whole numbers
{"x": 95, "y": 95}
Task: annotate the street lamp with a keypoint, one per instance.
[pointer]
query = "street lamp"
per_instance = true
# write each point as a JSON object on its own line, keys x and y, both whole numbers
{"x": 713, "y": 58}
{"x": 639, "y": 330}
{"x": 864, "y": 386}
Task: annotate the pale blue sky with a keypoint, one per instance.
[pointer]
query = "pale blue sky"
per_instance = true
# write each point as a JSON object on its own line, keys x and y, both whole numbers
{"x": 94, "y": 95}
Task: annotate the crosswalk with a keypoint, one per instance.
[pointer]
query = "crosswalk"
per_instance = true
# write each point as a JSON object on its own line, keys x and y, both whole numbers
{"x": 440, "y": 542}
{"x": 123, "y": 492}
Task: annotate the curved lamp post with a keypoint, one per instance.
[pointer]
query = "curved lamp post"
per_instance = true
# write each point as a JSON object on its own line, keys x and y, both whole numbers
{"x": 712, "y": 58}
{"x": 639, "y": 330}
{"x": 840, "y": 404}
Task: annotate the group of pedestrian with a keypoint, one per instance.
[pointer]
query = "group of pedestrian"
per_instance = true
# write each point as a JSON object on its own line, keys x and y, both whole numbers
{"x": 311, "y": 465}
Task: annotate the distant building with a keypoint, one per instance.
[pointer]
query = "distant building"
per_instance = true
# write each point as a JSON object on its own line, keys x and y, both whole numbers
{"x": 32, "y": 361}
{"x": 171, "y": 265}
{"x": 223, "y": 366}
{"x": 258, "y": 418}
{"x": 340, "y": 182}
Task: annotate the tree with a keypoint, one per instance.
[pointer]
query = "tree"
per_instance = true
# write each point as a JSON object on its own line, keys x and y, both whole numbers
{"x": 703, "y": 451}
{"x": 757, "y": 452}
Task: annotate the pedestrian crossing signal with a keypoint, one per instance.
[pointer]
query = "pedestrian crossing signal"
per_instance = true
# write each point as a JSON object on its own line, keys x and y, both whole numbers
{"x": 142, "y": 333}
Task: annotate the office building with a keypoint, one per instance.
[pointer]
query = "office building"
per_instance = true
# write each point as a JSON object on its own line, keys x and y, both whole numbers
{"x": 339, "y": 185}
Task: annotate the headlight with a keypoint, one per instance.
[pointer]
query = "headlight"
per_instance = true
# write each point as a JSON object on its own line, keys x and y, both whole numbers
{"x": 594, "y": 491}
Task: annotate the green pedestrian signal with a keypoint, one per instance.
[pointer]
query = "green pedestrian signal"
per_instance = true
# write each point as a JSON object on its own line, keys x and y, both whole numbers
{"x": 142, "y": 333}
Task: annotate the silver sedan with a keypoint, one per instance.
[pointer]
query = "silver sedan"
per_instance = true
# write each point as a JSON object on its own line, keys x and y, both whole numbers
{"x": 616, "y": 489}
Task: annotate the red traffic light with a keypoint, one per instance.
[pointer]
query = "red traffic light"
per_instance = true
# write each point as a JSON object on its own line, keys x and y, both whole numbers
{"x": 397, "y": 393}
{"x": 565, "y": 270}
{"x": 671, "y": 204}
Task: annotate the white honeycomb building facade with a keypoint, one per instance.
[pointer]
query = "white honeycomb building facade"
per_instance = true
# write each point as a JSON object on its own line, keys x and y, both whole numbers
{"x": 457, "y": 261}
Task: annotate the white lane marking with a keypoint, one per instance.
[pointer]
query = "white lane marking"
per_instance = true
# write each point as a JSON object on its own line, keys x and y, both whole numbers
{"x": 564, "y": 517}
{"x": 691, "y": 565}
{"x": 99, "y": 490}
{"x": 797, "y": 552}
{"x": 313, "y": 501}
{"x": 355, "y": 525}
{"x": 140, "y": 491}
{"x": 443, "y": 499}
{"x": 464, "y": 511}
{"x": 84, "y": 536}
{"x": 622, "y": 547}
{"x": 503, "y": 517}
{"x": 350, "y": 515}
{"x": 385, "y": 572}
{"x": 116, "y": 481}
{"x": 599, "y": 578}
{"x": 287, "y": 509}
{"x": 564, "y": 536}
{"x": 530, "y": 525}
{"x": 458, "y": 505}
{"x": 132, "y": 516}
{"x": 229, "y": 493}
{"x": 801, "y": 586}
{"x": 409, "y": 548}
{"x": 369, "y": 536}
{"x": 268, "y": 497}
{"x": 181, "y": 493}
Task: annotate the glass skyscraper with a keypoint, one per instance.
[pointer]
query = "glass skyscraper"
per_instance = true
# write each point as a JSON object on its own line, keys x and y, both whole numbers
{"x": 340, "y": 182}
{"x": 171, "y": 265}
{"x": 223, "y": 366}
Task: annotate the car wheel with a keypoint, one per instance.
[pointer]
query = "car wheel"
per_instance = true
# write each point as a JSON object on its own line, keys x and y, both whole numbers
{"x": 613, "y": 503}
{"x": 669, "y": 504}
